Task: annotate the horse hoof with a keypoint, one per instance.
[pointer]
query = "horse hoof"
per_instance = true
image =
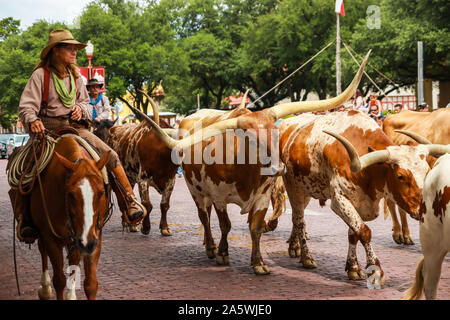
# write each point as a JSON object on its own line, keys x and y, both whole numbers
{"x": 211, "y": 253}
{"x": 223, "y": 260}
{"x": 45, "y": 293}
{"x": 165, "y": 232}
{"x": 309, "y": 263}
{"x": 294, "y": 253}
{"x": 133, "y": 228}
{"x": 261, "y": 269}
{"x": 145, "y": 230}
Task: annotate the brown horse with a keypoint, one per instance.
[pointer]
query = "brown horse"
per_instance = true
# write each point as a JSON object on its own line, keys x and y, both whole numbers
{"x": 69, "y": 212}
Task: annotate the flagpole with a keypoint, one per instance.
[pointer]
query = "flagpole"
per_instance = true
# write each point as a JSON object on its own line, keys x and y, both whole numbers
{"x": 338, "y": 56}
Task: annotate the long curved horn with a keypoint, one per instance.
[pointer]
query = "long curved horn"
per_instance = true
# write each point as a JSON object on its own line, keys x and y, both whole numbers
{"x": 437, "y": 150}
{"x": 285, "y": 109}
{"x": 358, "y": 163}
{"x": 154, "y": 107}
{"x": 414, "y": 136}
{"x": 244, "y": 99}
{"x": 206, "y": 133}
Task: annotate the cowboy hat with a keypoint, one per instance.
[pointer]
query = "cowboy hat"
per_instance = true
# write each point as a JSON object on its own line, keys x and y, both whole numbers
{"x": 94, "y": 82}
{"x": 60, "y": 36}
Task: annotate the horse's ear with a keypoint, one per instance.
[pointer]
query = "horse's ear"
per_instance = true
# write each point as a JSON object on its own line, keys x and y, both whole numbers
{"x": 103, "y": 160}
{"x": 66, "y": 163}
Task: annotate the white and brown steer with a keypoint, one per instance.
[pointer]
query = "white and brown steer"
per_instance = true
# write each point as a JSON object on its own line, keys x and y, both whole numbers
{"x": 147, "y": 161}
{"x": 242, "y": 184}
{"x": 319, "y": 166}
{"x": 434, "y": 229}
{"x": 433, "y": 126}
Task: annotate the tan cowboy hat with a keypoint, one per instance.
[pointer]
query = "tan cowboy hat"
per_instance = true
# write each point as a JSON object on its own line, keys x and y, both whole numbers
{"x": 60, "y": 36}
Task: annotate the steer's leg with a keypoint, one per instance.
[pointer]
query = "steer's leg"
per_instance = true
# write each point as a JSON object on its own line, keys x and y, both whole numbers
{"x": 397, "y": 234}
{"x": 165, "y": 205}
{"x": 145, "y": 198}
{"x": 405, "y": 228}
{"x": 431, "y": 271}
{"x": 204, "y": 213}
{"x": 256, "y": 225}
{"x": 342, "y": 206}
{"x": 222, "y": 257}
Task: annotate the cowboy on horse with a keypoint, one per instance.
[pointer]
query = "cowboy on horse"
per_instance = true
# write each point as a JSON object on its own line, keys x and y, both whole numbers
{"x": 55, "y": 97}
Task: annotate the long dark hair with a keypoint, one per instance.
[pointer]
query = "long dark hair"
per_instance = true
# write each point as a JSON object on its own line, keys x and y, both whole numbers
{"x": 52, "y": 63}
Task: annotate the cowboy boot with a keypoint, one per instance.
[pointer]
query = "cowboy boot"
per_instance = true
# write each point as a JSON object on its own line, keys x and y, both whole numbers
{"x": 136, "y": 211}
{"x": 26, "y": 231}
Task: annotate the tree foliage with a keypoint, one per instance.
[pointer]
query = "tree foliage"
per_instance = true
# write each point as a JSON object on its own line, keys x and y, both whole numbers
{"x": 214, "y": 48}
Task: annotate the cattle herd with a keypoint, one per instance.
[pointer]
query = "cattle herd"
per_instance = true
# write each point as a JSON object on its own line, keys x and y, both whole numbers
{"x": 250, "y": 159}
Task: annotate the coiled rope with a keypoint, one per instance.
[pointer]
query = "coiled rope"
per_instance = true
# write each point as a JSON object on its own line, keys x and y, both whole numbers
{"x": 21, "y": 172}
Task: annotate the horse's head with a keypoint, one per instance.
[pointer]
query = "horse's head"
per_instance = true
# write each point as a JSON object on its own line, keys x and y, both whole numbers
{"x": 86, "y": 200}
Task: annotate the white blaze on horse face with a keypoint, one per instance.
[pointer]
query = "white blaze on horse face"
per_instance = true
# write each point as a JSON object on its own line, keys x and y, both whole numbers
{"x": 88, "y": 209}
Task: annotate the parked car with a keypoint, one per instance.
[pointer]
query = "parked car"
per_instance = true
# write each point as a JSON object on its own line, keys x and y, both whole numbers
{"x": 10, "y": 141}
{"x": 3, "y": 150}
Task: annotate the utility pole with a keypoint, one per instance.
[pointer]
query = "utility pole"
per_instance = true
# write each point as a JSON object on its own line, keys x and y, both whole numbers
{"x": 419, "y": 72}
{"x": 338, "y": 56}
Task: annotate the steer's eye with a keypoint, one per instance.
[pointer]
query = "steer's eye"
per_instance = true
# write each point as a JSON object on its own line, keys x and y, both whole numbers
{"x": 401, "y": 177}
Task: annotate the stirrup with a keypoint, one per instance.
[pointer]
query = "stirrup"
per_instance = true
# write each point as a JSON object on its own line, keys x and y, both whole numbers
{"x": 140, "y": 217}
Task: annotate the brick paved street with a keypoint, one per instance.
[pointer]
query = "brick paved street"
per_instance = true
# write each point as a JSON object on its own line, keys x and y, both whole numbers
{"x": 134, "y": 266}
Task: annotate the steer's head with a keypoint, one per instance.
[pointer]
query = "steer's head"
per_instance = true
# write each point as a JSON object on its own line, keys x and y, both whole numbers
{"x": 406, "y": 165}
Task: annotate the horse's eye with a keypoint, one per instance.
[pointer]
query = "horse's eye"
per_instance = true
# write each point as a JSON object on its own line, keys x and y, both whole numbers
{"x": 100, "y": 194}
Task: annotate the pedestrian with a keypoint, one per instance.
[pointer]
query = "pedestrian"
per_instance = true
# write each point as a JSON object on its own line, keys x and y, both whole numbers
{"x": 373, "y": 101}
{"x": 55, "y": 97}
{"x": 398, "y": 108}
{"x": 101, "y": 110}
{"x": 359, "y": 102}
{"x": 423, "y": 107}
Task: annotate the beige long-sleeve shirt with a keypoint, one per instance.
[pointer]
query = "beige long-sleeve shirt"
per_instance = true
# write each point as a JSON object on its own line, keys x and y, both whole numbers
{"x": 30, "y": 105}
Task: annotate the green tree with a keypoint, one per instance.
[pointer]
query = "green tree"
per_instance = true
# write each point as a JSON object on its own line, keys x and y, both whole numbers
{"x": 19, "y": 54}
{"x": 136, "y": 45}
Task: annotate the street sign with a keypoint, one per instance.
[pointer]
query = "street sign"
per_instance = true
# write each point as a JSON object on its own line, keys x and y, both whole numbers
{"x": 97, "y": 73}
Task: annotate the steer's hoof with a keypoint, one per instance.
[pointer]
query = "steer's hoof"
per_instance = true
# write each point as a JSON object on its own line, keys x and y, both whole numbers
{"x": 398, "y": 238}
{"x": 307, "y": 236}
{"x": 308, "y": 263}
{"x": 223, "y": 260}
{"x": 356, "y": 275}
{"x": 211, "y": 253}
{"x": 165, "y": 232}
{"x": 261, "y": 269}
{"x": 294, "y": 252}
{"x": 407, "y": 240}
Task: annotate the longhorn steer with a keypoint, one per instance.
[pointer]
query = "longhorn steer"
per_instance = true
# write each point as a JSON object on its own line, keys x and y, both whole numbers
{"x": 318, "y": 166}
{"x": 218, "y": 184}
{"x": 147, "y": 161}
{"x": 434, "y": 230}
{"x": 435, "y": 127}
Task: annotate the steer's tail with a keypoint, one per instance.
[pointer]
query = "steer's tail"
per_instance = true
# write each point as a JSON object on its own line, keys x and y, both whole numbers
{"x": 385, "y": 208}
{"x": 416, "y": 291}
{"x": 278, "y": 199}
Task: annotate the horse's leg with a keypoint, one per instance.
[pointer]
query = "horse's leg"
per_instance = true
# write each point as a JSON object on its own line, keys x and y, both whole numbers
{"x": 145, "y": 198}
{"x": 74, "y": 261}
{"x": 55, "y": 253}
{"x": 165, "y": 205}
{"x": 45, "y": 289}
{"x": 90, "y": 271}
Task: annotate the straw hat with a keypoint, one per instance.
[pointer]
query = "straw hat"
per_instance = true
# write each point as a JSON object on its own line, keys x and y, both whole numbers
{"x": 94, "y": 82}
{"x": 60, "y": 36}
